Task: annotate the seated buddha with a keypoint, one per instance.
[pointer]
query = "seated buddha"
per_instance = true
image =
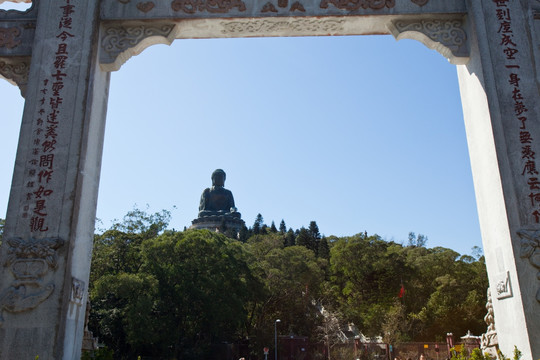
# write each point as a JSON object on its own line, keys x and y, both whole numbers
{"x": 217, "y": 201}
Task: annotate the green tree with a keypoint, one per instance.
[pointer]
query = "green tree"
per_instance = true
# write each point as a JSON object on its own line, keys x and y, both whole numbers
{"x": 122, "y": 308}
{"x": 117, "y": 250}
{"x": 304, "y": 239}
{"x": 293, "y": 278}
{"x": 204, "y": 285}
{"x": 364, "y": 271}
{"x": 167, "y": 294}
{"x": 190, "y": 291}
{"x": 243, "y": 234}
{"x": 394, "y": 327}
{"x": 257, "y": 225}
{"x": 290, "y": 238}
{"x": 315, "y": 236}
{"x": 282, "y": 227}
{"x": 273, "y": 227}
{"x": 456, "y": 299}
{"x": 314, "y": 230}
{"x": 419, "y": 241}
{"x": 324, "y": 249}
{"x": 445, "y": 292}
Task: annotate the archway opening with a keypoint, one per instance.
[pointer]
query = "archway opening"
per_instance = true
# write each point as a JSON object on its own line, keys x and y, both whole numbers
{"x": 357, "y": 133}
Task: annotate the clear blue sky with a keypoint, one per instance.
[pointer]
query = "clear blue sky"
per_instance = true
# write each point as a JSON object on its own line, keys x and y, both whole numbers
{"x": 356, "y": 133}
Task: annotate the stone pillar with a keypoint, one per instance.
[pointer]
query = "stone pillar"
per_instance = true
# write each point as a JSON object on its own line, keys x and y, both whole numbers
{"x": 501, "y": 108}
{"x": 49, "y": 229}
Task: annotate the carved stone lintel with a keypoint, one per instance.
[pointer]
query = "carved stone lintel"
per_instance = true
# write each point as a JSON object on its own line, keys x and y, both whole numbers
{"x": 268, "y": 7}
{"x": 120, "y": 42}
{"x": 211, "y": 6}
{"x": 276, "y": 25}
{"x": 351, "y": 5}
{"x": 29, "y": 261}
{"x": 446, "y": 35}
{"x": 145, "y": 6}
{"x": 15, "y": 70}
{"x": 9, "y": 37}
{"x": 530, "y": 249}
{"x": 297, "y": 6}
{"x": 16, "y": 37}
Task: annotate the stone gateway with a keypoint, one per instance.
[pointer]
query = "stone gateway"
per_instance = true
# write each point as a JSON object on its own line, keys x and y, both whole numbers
{"x": 61, "y": 52}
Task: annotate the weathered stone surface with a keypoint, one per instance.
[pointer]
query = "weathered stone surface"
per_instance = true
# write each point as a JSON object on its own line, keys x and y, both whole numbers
{"x": 501, "y": 108}
{"x": 53, "y": 196}
{"x": 15, "y": 70}
{"x": 50, "y": 219}
{"x": 489, "y": 343}
{"x": 446, "y": 34}
{"x": 190, "y": 9}
{"x": 17, "y": 31}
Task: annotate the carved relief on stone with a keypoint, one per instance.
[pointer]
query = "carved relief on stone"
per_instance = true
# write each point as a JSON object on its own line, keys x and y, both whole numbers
{"x": 503, "y": 286}
{"x": 530, "y": 249}
{"x": 273, "y": 25}
{"x": 145, "y": 6}
{"x": 489, "y": 342}
{"x": 268, "y": 7}
{"x": 15, "y": 70}
{"x": 446, "y": 35}
{"x": 77, "y": 291}
{"x": 212, "y": 6}
{"x": 29, "y": 261}
{"x": 8, "y": 37}
{"x": 296, "y": 6}
{"x": 120, "y": 42}
{"x": 358, "y": 4}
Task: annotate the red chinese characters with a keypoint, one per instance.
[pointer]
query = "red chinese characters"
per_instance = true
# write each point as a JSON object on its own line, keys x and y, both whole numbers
{"x": 42, "y": 162}
{"x": 509, "y": 50}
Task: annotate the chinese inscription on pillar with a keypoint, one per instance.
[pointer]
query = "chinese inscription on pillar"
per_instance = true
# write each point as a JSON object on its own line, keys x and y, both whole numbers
{"x": 509, "y": 49}
{"x": 48, "y": 118}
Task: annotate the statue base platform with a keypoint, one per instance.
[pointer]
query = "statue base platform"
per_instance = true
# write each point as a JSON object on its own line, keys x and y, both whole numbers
{"x": 215, "y": 223}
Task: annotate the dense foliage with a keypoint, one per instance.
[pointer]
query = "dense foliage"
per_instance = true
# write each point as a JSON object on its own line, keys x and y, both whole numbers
{"x": 169, "y": 294}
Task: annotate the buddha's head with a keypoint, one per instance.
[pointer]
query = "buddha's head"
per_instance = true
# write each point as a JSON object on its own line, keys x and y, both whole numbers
{"x": 218, "y": 178}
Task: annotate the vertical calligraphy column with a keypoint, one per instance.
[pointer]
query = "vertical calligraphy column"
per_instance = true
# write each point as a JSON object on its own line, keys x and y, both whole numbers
{"x": 50, "y": 220}
{"x": 501, "y": 106}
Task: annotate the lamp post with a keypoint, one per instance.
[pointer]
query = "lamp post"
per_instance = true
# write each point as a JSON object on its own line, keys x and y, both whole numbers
{"x": 275, "y": 337}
